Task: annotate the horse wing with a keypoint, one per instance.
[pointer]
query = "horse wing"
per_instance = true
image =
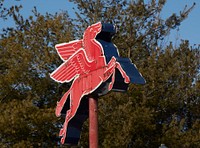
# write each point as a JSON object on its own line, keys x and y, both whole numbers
{"x": 76, "y": 65}
{"x": 65, "y": 50}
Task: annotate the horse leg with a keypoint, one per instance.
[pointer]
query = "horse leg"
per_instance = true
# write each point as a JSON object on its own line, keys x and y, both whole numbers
{"x": 75, "y": 98}
{"x": 110, "y": 71}
{"x": 124, "y": 75}
{"x": 62, "y": 102}
{"x": 63, "y": 130}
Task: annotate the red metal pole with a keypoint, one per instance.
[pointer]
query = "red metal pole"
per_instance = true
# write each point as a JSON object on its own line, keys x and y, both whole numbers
{"x": 93, "y": 123}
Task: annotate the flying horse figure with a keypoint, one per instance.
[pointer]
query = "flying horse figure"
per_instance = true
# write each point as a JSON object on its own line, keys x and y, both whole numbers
{"x": 92, "y": 63}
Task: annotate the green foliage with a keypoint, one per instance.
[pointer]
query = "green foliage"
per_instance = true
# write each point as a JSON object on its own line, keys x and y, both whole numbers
{"x": 28, "y": 55}
{"x": 22, "y": 124}
{"x": 142, "y": 117}
{"x": 165, "y": 110}
{"x": 27, "y": 58}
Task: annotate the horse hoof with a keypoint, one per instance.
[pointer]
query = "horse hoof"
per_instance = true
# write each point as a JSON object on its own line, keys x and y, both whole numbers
{"x": 61, "y": 132}
{"x": 58, "y": 113}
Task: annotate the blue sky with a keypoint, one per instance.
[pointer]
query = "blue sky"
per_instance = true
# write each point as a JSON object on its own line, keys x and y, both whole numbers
{"x": 189, "y": 29}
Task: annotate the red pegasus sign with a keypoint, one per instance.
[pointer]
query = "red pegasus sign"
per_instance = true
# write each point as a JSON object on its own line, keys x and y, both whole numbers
{"x": 86, "y": 64}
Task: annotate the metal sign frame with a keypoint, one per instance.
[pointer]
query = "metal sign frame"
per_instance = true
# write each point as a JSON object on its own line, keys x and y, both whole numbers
{"x": 95, "y": 67}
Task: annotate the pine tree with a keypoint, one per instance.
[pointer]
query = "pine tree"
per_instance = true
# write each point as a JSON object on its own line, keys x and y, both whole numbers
{"x": 145, "y": 115}
{"x": 29, "y": 96}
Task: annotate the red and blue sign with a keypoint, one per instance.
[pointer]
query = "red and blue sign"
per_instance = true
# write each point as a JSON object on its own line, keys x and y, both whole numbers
{"x": 94, "y": 66}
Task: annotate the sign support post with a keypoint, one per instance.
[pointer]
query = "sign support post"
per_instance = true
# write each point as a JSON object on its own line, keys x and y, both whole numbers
{"x": 93, "y": 122}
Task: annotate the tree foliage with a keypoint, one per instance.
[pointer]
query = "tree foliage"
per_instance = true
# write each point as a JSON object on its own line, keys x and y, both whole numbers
{"x": 28, "y": 94}
{"x": 165, "y": 110}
